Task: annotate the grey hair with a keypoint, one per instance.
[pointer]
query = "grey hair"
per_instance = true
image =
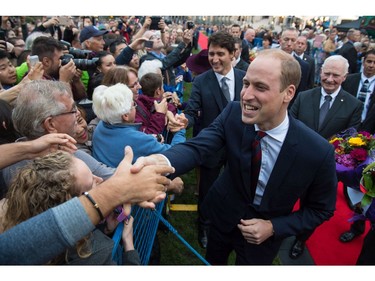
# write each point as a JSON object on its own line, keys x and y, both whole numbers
{"x": 31, "y": 37}
{"x": 337, "y": 58}
{"x": 148, "y": 66}
{"x": 37, "y": 101}
{"x": 110, "y": 103}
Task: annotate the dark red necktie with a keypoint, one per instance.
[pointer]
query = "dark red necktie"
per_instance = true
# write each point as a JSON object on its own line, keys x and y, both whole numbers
{"x": 256, "y": 158}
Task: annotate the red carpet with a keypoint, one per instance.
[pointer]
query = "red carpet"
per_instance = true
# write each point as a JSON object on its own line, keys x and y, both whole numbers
{"x": 202, "y": 41}
{"x": 324, "y": 245}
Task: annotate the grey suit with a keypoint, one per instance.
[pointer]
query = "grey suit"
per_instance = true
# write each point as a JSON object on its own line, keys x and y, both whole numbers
{"x": 345, "y": 112}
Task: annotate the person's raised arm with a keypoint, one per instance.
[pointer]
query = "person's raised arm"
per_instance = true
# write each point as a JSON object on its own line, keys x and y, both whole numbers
{"x": 14, "y": 152}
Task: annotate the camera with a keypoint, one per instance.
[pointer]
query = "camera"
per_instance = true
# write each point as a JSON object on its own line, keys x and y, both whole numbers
{"x": 159, "y": 137}
{"x": 79, "y": 54}
{"x": 155, "y": 23}
{"x": 190, "y": 25}
{"x": 83, "y": 64}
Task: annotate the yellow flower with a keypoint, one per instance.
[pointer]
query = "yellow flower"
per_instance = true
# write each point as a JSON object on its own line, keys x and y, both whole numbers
{"x": 356, "y": 141}
{"x": 335, "y": 139}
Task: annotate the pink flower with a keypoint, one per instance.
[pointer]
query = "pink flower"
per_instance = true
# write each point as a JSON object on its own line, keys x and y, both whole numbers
{"x": 359, "y": 154}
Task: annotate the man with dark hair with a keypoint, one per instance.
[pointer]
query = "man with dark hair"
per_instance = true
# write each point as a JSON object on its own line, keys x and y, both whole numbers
{"x": 8, "y": 75}
{"x": 49, "y": 51}
{"x": 236, "y": 33}
{"x": 211, "y": 92}
{"x": 238, "y": 61}
{"x": 362, "y": 86}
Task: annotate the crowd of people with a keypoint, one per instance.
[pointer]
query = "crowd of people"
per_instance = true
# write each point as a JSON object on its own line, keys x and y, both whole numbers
{"x": 86, "y": 104}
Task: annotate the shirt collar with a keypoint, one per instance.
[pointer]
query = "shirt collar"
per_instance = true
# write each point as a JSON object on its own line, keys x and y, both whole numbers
{"x": 333, "y": 95}
{"x": 278, "y": 133}
{"x": 230, "y": 75}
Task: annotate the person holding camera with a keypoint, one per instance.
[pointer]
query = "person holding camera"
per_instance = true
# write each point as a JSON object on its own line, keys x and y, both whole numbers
{"x": 50, "y": 51}
{"x": 169, "y": 62}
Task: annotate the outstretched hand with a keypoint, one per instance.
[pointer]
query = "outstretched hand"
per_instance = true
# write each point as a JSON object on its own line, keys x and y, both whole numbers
{"x": 50, "y": 143}
{"x": 147, "y": 185}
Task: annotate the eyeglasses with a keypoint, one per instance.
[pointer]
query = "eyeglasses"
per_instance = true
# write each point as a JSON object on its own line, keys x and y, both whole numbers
{"x": 136, "y": 83}
{"x": 73, "y": 111}
{"x": 154, "y": 37}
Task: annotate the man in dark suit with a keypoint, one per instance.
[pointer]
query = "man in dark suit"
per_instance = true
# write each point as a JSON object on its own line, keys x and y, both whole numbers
{"x": 361, "y": 86}
{"x": 348, "y": 50}
{"x": 207, "y": 100}
{"x": 287, "y": 42}
{"x": 238, "y": 62}
{"x": 344, "y": 112}
{"x": 300, "y": 51}
{"x": 236, "y": 33}
{"x": 254, "y": 222}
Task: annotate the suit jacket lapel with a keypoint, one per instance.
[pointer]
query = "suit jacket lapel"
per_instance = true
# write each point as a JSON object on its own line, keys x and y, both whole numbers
{"x": 247, "y": 139}
{"x": 283, "y": 164}
{"x": 215, "y": 90}
{"x": 237, "y": 83}
{"x": 316, "y": 95}
{"x": 335, "y": 107}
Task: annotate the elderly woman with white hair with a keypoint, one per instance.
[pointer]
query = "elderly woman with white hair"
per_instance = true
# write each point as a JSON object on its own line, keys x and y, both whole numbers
{"x": 115, "y": 107}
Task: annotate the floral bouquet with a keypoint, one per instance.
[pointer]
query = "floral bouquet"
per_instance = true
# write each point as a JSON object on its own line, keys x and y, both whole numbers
{"x": 367, "y": 187}
{"x": 252, "y": 54}
{"x": 353, "y": 152}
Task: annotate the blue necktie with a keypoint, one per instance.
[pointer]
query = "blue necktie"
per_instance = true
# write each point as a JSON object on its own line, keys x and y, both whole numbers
{"x": 324, "y": 109}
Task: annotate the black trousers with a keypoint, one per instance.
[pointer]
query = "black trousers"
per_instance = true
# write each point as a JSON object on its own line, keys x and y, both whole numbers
{"x": 207, "y": 178}
{"x": 367, "y": 254}
{"x": 220, "y": 245}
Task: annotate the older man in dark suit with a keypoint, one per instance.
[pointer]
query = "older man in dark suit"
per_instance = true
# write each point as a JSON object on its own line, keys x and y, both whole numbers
{"x": 251, "y": 210}
{"x": 208, "y": 98}
{"x": 343, "y": 111}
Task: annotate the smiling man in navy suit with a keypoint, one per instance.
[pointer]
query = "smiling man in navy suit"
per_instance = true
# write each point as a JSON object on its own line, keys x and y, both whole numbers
{"x": 207, "y": 100}
{"x": 296, "y": 163}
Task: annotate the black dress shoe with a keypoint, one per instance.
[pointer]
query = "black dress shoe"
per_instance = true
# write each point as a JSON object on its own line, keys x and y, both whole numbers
{"x": 348, "y": 236}
{"x": 297, "y": 249}
{"x": 203, "y": 236}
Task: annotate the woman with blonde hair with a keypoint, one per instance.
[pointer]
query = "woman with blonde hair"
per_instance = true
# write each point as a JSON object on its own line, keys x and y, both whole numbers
{"x": 48, "y": 181}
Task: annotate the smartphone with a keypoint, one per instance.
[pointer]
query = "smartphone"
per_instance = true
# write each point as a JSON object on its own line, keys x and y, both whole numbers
{"x": 149, "y": 44}
{"x": 33, "y": 60}
{"x": 64, "y": 20}
{"x": 154, "y": 23}
{"x": 2, "y": 35}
